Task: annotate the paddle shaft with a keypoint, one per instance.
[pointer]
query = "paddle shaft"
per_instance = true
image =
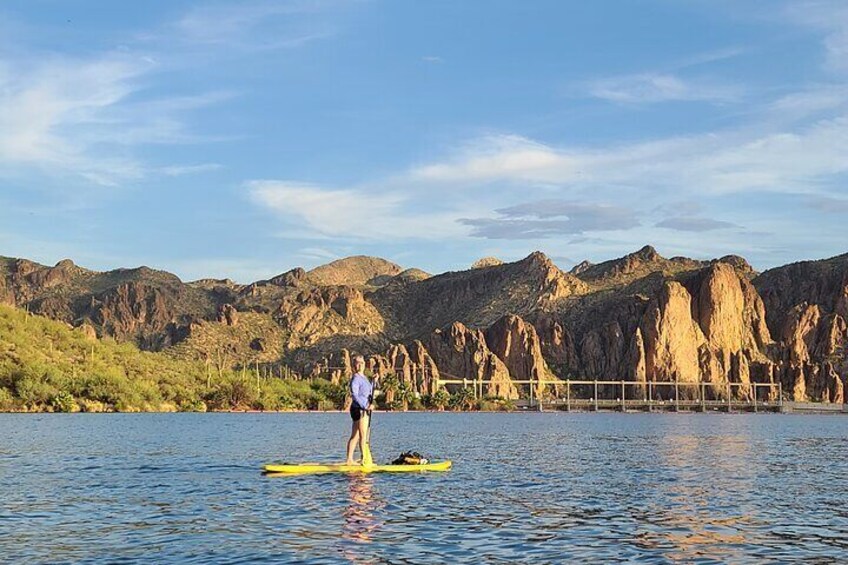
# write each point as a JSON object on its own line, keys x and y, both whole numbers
{"x": 370, "y": 410}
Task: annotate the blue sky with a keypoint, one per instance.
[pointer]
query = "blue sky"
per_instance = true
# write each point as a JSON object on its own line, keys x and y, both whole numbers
{"x": 240, "y": 139}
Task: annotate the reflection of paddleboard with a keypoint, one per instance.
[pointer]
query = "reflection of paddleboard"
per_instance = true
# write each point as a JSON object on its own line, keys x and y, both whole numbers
{"x": 305, "y": 468}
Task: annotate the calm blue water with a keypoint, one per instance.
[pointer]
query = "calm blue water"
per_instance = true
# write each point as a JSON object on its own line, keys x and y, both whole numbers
{"x": 525, "y": 487}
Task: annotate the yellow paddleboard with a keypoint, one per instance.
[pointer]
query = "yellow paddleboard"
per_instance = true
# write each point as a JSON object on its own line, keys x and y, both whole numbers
{"x": 305, "y": 468}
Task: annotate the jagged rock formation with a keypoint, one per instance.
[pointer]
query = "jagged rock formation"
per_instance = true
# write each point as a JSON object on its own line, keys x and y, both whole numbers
{"x": 634, "y": 266}
{"x": 581, "y": 267}
{"x": 673, "y": 340}
{"x": 516, "y": 343}
{"x": 318, "y": 313}
{"x": 807, "y": 307}
{"x": 227, "y": 314}
{"x": 476, "y": 298}
{"x": 639, "y": 318}
{"x": 461, "y": 353}
{"x": 486, "y": 262}
{"x": 152, "y": 308}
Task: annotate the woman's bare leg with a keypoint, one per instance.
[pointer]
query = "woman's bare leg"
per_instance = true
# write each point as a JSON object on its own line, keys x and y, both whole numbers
{"x": 364, "y": 446}
{"x": 351, "y": 443}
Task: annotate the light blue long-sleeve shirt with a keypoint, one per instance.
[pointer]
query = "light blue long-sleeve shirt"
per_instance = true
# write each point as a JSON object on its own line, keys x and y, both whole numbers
{"x": 360, "y": 390}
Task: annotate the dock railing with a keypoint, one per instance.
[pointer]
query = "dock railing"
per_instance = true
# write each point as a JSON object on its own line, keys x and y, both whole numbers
{"x": 648, "y": 395}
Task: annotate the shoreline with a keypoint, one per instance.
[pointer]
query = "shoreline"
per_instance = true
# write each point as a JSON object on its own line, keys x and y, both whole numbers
{"x": 814, "y": 408}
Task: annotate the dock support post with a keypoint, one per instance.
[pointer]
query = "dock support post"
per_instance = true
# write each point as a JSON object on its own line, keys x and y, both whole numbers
{"x": 596, "y": 395}
{"x": 703, "y": 388}
{"x": 650, "y": 396}
{"x": 623, "y": 394}
{"x": 568, "y": 396}
{"x": 754, "y": 394}
{"x": 531, "y": 393}
{"x": 676, "y": 395}
{"x": 729, "y": 391}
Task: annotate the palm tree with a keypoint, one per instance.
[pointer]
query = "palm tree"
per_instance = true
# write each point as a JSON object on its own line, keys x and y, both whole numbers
{"x": 390, "y": 385}
{"x": 440, "y": 399}
{"x": 406, "y": 395}
{"x": 462, "y": 399}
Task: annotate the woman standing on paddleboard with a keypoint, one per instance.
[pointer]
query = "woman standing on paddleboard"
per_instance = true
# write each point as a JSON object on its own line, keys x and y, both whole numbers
{"x": 362, "y": 392}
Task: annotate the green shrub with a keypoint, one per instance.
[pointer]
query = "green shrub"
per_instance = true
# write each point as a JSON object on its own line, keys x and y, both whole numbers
{"x": 193, "y": 406}
{"x": 7, "y": 401}
{"x": 34, "y": 392}
{"x": 64, "y": 402}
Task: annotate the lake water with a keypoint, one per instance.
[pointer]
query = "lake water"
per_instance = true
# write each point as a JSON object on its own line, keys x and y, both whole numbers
{"x": 550, "y": 487}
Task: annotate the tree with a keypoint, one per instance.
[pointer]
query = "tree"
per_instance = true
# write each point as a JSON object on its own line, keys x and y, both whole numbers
{"x": 441, "y": 399}
{"x": 405, "y": 395}
{"x": 390, "y": 385}
{"x": 462, "y": 399}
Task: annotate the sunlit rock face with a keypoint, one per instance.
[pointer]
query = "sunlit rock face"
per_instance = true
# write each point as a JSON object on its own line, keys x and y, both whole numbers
{"x": 641, "y": 317}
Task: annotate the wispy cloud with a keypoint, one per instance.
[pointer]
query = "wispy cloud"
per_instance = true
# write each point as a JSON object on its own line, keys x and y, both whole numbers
{"x": 180, "y": 170}
{"x": 692, "y": 224}
{"x": 48, "y": 107}
{"x": 548, "y": 218}
{"x": 256, "y": 25}
{"x": 87, "y": 116}
{"x": 351, "y": 213}
{"x": 648, "y": 88}
{"x": 314, "y": 255}
{"x": 829, "y": 205}
{"x": 831, "y": 18}
{"x": 76, "y": 116}
{"x": 724, "y": 161}
{"x": 499, "y": 157}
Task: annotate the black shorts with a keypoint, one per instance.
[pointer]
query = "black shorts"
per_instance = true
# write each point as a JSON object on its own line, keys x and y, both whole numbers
{"x": 356, "y": 412}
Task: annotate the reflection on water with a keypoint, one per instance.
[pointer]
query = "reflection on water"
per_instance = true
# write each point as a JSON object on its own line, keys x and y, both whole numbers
{"x": 361, "y": 517}
{"x": 525, "y": 487}
{"x": 686, "y": 525}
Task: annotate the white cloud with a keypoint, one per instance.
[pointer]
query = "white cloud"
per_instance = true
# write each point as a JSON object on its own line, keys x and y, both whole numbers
{"x": 72, "y": 116}
{"x": 795, "y": 160}
{"x": 180, "y": 170}
{"x": 811, "y": 101}
{"x": 351, "y": 213}
{"x": 694, "y": 224}
{"x": 646, "y": 88}
{"x": 256, "y": 25}
{"x": 498, "y": 157}
{"x": 831, "y": 18}
{"x": 85, "y": 115}
{"x": 39, "y": 105}
{"x": 482, "y": 187}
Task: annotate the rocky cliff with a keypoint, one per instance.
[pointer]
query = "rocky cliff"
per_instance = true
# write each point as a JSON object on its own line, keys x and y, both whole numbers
{"x": 639, "y": 318}
{"x": 806, "y": 309}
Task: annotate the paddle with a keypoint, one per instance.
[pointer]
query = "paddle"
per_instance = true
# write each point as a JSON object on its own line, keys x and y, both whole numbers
{"x": 366, "y": 457}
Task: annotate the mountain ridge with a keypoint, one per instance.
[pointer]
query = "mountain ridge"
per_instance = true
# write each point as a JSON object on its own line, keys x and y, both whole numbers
{"x": 628, "y": 317}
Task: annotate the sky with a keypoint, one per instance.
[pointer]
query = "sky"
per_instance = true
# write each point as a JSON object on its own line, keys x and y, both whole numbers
{"x": 241, "y": 139}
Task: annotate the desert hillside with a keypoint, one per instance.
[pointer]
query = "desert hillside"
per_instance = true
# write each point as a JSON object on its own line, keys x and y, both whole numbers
{"x": 641, "y": 317}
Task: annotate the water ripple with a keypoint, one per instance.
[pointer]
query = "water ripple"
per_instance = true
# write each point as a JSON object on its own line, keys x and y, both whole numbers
{"x": 525, "y": 488}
